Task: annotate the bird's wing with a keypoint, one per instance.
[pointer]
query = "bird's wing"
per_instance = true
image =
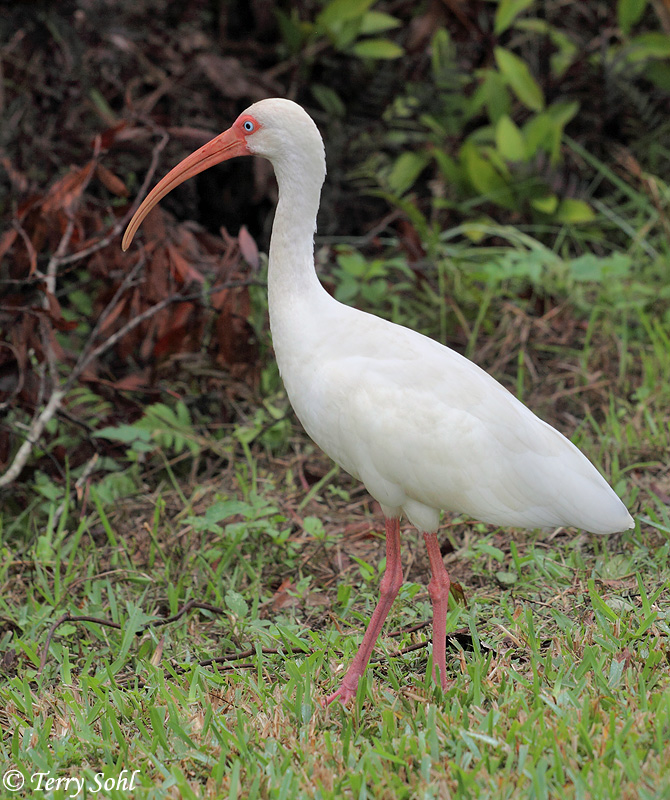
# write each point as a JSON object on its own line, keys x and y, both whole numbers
{"x": 422, "y": 426}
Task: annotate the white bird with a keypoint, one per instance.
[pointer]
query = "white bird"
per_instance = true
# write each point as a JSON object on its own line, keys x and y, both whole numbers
{"x": 421, "y": 426}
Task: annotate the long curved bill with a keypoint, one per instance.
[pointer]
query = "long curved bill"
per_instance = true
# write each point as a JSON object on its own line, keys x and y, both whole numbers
{"x": 229, "y": 144}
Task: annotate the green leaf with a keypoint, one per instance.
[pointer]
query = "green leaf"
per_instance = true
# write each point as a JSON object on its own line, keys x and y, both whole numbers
{"x": 649, "y": 45}
{"x": 314, "y": 527}
{"x": 547, "y": 204}
{"x": 329, "y": 100}
{"x": 629, "y": 12}
{"x": 352, "y": 262}
{"x": 291, "y": 29}
{"x": 509, "y": 140}
{"x": 545, "y": 130}
{"x": 450, "y": 170}
{"x": 100, "y": 102}
{"x": 507, "y": 11}
{"x": 506, "y": 578}
{"x": 616, "y": 566}
{"x": 617, "y": 669}
{"x": 183, "y": 414}
{"x": 485, "y": 177}
{"x": 566, "y": 50}
{"x": 441, "y": 55}
{"x": 491, "y": 550}
{"x": 586, "y": 268}
{"x": 538, "y": 134}
{"x": 340, "y": 11}
{"x": 590, "y": 267}
{"x": 658, "y": 72}
{"x": 491, "y": 93}
{"x": 44, "y": 550}
{"x": 82, "y": 301}
{"x": 236, "y": 603}
{"x": 562, "y": 112}
{"x": 519, "y": 79}
{"x": 377, "y": 49}
{"x": 124, "y": 433}
{"x": 476, "y": 229}
{"x": 406, "y": 170}
{"x": 378, "y": 22}
{"x": 574, "y": 211}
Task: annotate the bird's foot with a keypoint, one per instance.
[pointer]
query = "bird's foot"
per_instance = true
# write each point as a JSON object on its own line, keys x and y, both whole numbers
{"x": 345, "y": 693}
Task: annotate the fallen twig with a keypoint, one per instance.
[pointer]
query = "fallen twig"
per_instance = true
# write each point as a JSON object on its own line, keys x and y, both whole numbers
{"x": 156, "y": 623}
{"x": 69, "y": 618}
{"x": 227, "y": 657}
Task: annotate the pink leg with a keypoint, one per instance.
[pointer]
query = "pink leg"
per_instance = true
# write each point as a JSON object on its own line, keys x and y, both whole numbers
{"x": 438, "y": 588}
{"x": 389, "y": 588}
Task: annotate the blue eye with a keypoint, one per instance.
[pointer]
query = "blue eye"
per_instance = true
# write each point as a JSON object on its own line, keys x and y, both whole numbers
{"x": 248, "y": 126}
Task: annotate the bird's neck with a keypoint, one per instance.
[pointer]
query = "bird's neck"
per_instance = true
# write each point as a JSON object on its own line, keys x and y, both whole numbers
{"x": 291, "y": 274}
{"x": 297, "y": 302}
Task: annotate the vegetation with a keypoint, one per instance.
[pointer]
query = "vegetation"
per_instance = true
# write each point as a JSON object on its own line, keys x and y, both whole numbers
{"x": 182, "y": 573}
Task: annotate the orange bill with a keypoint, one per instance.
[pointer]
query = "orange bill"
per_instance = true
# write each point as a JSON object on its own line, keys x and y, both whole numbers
{"x": 229, "y": 144}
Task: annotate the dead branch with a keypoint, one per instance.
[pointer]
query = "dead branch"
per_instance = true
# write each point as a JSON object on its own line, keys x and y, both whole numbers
{"x": 156, "y": 623}
{"x": 34, "y": 434}
{"x": 184, "y": 610}
{"x": 419, "y": 626}
{"x": 120, "y": 226}
{"x": 86, "y": 356}
{"x": 69, "y": 618}
{"x": 56, "y": 389}
{"x": 82, "y": 363}
{"x": 56, "y": 259}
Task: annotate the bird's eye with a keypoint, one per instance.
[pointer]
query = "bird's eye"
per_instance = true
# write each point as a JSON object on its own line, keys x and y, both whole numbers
{"x": 248, "y": 126}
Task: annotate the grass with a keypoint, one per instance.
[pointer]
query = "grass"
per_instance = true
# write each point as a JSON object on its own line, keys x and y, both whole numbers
{"x": 559, "y": 659}
{"x": 558, "y": 655}
{"x": 560, "y": 681}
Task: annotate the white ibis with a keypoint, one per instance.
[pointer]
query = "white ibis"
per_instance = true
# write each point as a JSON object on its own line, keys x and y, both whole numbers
{"x": 421, "y": 426}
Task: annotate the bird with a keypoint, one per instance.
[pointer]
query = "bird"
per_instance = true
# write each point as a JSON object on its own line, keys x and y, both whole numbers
{"x": 422, "y": 427}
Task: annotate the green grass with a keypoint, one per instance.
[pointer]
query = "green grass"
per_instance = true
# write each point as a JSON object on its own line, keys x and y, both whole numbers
{"x": 560, "y": 675}
{"x": 558, "y": 661}
{"x": 562, "y": 688}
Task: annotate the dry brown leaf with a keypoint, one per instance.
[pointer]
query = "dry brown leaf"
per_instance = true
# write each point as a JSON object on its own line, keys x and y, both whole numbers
{"x": 64, "y": 193}
{"x": 56, "y": 315}
{"x": 282, "y": 598}
{"x": 108, "y": 137}
{"x": 113, "y": 315}
{"x": 132, "y": 382}
{"x": 249, "y": 248}
{"x": 177, "y": 331}
{"x": 7, "y": 240}
{"x": 181, "y": 267}
{"x": 234, "y": 336}
{"x": 18, "y": 179}
{"x": 111, "y": 181}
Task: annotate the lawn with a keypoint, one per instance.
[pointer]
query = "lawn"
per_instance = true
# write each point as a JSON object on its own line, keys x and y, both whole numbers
{"x": 558, "y": 656}
{"x": 184, "y": 577}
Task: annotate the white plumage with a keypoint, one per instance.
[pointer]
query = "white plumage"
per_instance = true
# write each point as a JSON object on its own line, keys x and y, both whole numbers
{"x": 425, "y": 429}
{"x": 421, "y": 426}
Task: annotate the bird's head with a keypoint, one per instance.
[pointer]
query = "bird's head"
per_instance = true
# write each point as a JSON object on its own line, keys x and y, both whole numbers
{"x": 278, "y": 129}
